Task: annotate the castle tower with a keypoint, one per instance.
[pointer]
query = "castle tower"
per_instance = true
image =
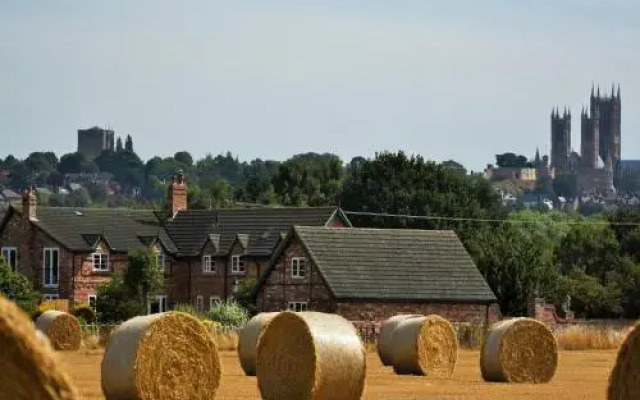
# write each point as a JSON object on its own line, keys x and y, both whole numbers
{"x": 589, "y": 139}
{"x": 609, "y": 110}
{"x": 560, "y": 140}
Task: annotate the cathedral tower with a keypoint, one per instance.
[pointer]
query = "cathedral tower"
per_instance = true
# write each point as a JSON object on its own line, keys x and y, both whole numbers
{"x": 560, "y": 140}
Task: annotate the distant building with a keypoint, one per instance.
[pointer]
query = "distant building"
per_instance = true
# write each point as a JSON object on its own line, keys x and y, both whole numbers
{"x": 517, "y": 174}
{"x": 93, "y": 141}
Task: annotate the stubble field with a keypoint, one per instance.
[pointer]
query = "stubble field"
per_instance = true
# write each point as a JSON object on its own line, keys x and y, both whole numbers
{"x": 580, "y": 375}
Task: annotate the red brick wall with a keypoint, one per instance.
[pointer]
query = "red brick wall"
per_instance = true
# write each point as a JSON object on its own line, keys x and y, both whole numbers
{"x": 281, "y": 288}
{"x": 454, "y": 312}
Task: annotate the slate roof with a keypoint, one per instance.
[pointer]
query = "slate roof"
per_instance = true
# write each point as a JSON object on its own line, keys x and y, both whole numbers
{"x": 80, "y": 229}
{"x": 392, "y": 264}
{"x": 260, "y": 228}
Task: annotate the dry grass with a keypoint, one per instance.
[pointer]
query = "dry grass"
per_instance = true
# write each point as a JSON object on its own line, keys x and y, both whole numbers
{"x": 578, "y": 337}
{"x": 581, "y": 375}
{"x": 226, "y": 340}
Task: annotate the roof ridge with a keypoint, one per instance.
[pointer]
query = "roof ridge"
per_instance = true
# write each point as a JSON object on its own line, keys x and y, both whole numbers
{"x": 355, "y": 229}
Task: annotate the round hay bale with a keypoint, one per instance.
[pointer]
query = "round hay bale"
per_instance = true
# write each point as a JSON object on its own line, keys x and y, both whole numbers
{"x": 623, "y": 381}
{"x": 167, "y": 356}
{"x": 386, "y": 335}
{"x": 62, "y": 329}
{"x": 249, "y": 338}
{"x": 310, "y": 356}
{"x": 28, "y": 366}
{"x": 519, "y": 350}
{"x": 425, "y": 346}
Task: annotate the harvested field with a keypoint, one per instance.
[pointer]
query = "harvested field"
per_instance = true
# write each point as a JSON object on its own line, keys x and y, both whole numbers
{"x": 580, "y": 375}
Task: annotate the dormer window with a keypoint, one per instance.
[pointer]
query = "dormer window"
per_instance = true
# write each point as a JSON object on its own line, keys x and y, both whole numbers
{"x": 100, "y": 262}
{"x": 237, "y": 265}
{"x": 160, "y": 260}
{"x": 298, "y": 267}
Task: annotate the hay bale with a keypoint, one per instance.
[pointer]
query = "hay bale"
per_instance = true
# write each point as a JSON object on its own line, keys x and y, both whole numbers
{"x": 424, "y": 346}
{"x": 623, "y": 381}
{"x": 28, "y": 366}
{"x": 310, "y": 356}
{"x": 62, "y": 329}
{"x": 249, "y": 338}
{"x": 386, "y": 335}
{"x": 163, "y": 356}
{"x": 519, "y": 350}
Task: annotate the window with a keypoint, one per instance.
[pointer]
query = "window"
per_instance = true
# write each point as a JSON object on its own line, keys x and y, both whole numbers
{"x": 92, "y": 301}
{"x": 298, "y": 267}
{"x": 208, "y": 264}
{"x": 199, "y": 304}
{"x": 51, "y": 296}
{"x": 160, "y": 260}
{"x": 10, "y": 255}
{"x": 213, "y": 300}
{"x": 297, "y": 306}
{"x": 237, "y": 265}
{"x": 100, "y": 262}
{"x": 50, "y": 267}
{"x": 159, "y": 305}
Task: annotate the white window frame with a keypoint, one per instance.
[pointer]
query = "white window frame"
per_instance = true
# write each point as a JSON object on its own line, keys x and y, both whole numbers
{"x": 298, "y": 267}
{"x": 50, "y": 250}
{"x": 162, "y": 304}
{"x": 6, "y": 254}
{"x": 161, "y": 259}
{"x": 213, "y": 300}
{"x": 95, "y": 301}
{"x": 237, "y": 265}
{"x": 51, "y": 296}
{"x": 297, "y": 306}
{"x": 199, "y": 304}
{"x": 208, "y": 264}
{"x": 103, "y": 263}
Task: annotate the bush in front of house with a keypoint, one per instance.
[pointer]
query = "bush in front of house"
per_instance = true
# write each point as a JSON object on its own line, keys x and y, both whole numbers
{"x": 85, "y": 314}
{"x": 17, "y": 288}
{"x": 228, "y": 313}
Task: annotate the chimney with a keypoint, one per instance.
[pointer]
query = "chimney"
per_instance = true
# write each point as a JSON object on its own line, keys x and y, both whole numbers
{"x": 177, "y": 194}
{"x": 29, "y": 203}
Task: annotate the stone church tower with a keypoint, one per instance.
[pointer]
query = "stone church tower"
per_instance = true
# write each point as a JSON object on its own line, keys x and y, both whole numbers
{"x": 560, "y": 140}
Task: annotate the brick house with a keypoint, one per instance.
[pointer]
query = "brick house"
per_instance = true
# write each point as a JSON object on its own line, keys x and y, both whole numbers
{"x": 68, "y": 252}
{"x": 368, "y": 275}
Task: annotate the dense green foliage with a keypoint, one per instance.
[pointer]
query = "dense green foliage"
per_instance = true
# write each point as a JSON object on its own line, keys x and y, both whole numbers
{"x": 17, "y": 287}
{"x": 115, "y": 303}
{"x": 228, "y": 313}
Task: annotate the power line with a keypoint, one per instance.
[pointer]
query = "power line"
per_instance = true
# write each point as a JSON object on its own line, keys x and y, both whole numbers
{"x": 487, "y": 220}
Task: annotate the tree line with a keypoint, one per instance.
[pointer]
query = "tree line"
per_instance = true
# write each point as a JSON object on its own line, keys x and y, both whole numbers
{"x": 594, "y": 261}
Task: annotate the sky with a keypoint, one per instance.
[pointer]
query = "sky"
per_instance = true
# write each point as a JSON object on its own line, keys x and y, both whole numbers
{"x": 462, "y": 79}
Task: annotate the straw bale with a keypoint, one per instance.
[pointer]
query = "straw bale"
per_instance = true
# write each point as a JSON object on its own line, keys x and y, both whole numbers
{"x": 249, "y": 338}
{"x": 166, "y": 356}
{"x": 424, "y": 346}
{"x": 623, "y": 381}
{"x": 62, "y": 329}
{"x": 386, "y": 335}
{"x": 310, "y": 356}
{"x": 29, "y": 368}
{"x": 519, "y": 350}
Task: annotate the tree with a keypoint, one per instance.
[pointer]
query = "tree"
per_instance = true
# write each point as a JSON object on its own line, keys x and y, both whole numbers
{"x": 309, "y": 180}
{"x": 119, "y": 147}
{"x": 184, "y": 158}
{"x": 142, "y": 276}
{"x": 516, "y": 266}
{"x": 511, "y": 160}
{"x": 566, "y": 185}
{"x": 39, "y": 162}
{"x": 17, "y": 288}
{"x": 75, "y": 163}
{"x": 10, "y": 162}
{"x": 397, "y": 184}
{"x": 590, "y": 298}
{"x": 128, "y": 144}
{"x": 244, "y": 295}
{"x": 114, "y": 302}
{"x": 454, "y": 166}
{"x": 590, "y": 247}
{"x": 78, "y": 198}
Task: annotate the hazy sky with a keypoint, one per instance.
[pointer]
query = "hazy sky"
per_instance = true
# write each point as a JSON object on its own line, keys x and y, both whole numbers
{"x": 269, "y": 79}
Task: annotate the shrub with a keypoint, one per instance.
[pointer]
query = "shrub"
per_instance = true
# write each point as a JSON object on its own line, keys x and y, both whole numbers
{"x": 115, "y": 303}
{"x": 187, "y": 309}
{"x": 228, "y": 313}
{"x": 85, "y": 314}
{"x": 17, "y": 288}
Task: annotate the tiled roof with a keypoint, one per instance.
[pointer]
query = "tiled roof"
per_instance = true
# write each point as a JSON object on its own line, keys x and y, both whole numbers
{"x": 393, "y": 264}
{"x": 80, "y": 229}
{"x": 260, "y": 228}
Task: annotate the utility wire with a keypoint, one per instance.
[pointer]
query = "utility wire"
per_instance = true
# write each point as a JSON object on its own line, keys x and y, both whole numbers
{"x": 487, "y": 220}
